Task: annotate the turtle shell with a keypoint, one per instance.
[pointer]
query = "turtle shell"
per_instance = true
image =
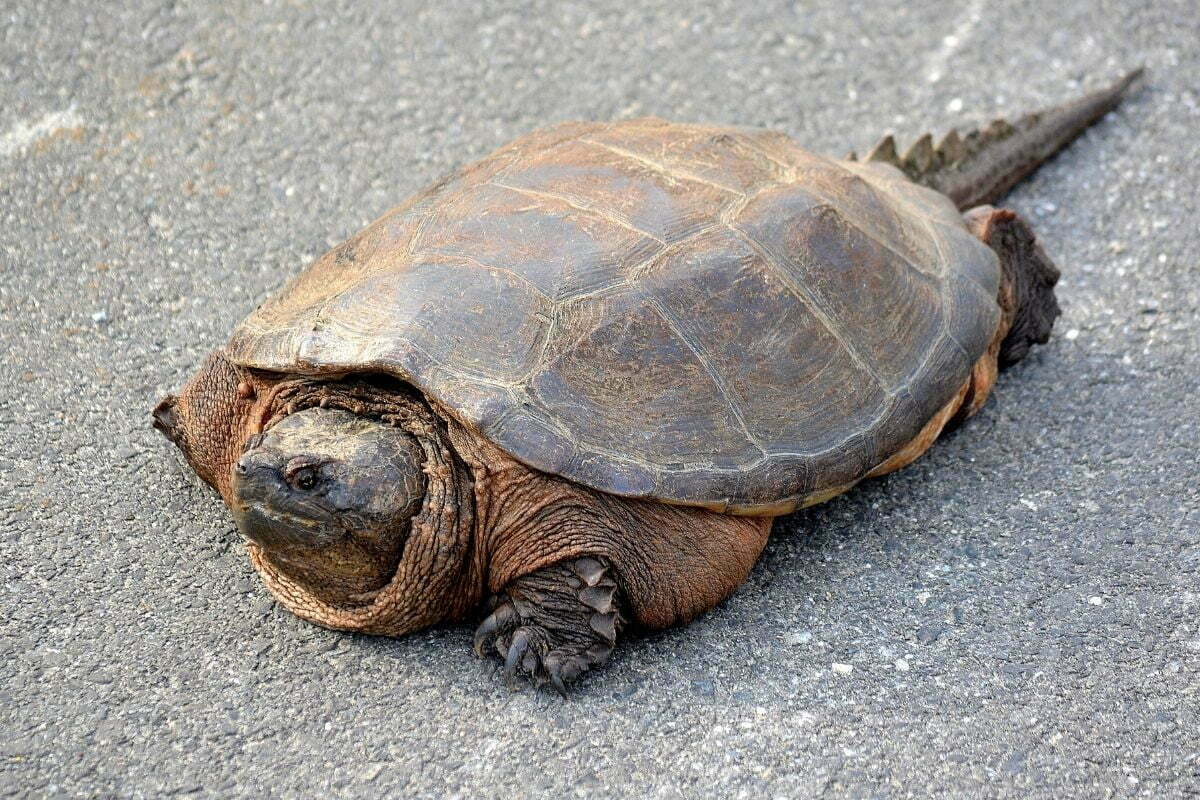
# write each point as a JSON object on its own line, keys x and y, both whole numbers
{"x": 701, "y": 315}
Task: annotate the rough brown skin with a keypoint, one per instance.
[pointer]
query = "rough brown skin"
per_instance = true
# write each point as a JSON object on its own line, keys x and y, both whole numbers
{"x": 369, "y": 506}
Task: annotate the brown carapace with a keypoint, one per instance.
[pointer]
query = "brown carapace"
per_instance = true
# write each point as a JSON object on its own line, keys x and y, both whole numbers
{"x": 572, "y": 383}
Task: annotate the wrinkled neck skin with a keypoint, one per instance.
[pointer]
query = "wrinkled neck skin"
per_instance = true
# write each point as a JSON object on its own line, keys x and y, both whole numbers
{"x": 437, "y": 578}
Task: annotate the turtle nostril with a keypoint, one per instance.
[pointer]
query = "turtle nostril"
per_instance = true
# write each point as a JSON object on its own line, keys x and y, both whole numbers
{"x": 244, "y": 464}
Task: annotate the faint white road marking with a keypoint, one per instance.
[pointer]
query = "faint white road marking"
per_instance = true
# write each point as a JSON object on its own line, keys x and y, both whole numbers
{"x": 24, "y": 134}
{"x": 940, "y": 58}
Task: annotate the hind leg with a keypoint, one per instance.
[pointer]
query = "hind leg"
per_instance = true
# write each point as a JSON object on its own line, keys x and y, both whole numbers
{"x": 1027, "y": 289}
{"x": 1029, "y": 310}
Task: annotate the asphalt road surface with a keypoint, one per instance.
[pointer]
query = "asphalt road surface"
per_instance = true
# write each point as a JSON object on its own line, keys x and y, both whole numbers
{"x": 1016, "y": 615}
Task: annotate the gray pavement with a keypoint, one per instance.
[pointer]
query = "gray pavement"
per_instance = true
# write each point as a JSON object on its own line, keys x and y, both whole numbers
{"x": 1018, "y": 610}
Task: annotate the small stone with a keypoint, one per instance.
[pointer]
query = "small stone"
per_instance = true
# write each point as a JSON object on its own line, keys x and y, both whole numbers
{"x": 704, "y": 687}
{"x": 1096, "y": 600}
{"x": 100, "y": 317}
{"x": 262, "y": 606}
{"x": 1015, "y": 763}
{"x": 928, "y": 634}
{"x": 322, "y": 645}
{"x": 370, "y": 772}
{"x": 842, "y": 669}
{"x": 793, "y": 638}
{"x": 1072, "y": 334}
{"x": 955, "y": 105}
{"x": 244, "y": 585}
{"x": 901, "y": 665}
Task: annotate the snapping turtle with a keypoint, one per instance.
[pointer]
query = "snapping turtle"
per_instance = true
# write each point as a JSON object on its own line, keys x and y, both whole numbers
{"x": 576, "y": 380}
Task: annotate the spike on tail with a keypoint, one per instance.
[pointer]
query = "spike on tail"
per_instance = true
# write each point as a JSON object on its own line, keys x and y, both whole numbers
{"x": 980, "y": 167}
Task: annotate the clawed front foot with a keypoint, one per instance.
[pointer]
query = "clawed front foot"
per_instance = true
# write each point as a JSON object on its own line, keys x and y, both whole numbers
{"x": 554, "y": 624}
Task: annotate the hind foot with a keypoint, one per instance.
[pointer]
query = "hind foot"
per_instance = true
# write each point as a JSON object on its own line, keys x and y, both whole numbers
{"x": 1027, "y": 292}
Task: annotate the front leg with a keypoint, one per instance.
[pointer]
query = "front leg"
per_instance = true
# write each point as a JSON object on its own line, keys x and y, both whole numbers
{"x": 556, "y": 623}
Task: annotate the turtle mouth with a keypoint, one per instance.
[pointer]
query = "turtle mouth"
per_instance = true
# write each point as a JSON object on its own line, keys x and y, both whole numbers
{"x": 270, "y": 514}
{"x": 277, "y": 529}
{"x": 316, "y": 548}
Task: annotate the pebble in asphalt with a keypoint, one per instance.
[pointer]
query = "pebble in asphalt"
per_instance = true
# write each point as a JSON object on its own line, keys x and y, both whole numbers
{"x": 1015, "y": 615}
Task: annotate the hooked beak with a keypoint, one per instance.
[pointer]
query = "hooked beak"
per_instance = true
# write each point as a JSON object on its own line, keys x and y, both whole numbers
{"x": 269, "y": 512}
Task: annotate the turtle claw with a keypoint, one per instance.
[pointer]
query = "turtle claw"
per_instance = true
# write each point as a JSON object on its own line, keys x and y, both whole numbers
{"x": 518, "y": 648}
{"x": 556, "y": 680}
{"x": 546, "y": 629}
{"x": 500, "y": 622}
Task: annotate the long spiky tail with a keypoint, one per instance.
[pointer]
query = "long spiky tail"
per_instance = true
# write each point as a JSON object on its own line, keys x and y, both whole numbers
{"x": 982, "y": 166}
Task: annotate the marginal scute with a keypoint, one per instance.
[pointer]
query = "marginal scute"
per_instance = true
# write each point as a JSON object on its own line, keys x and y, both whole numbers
{"x": 696, "y": 314}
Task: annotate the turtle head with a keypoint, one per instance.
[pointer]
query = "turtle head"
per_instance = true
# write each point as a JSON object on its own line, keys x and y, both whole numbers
{"x": 328, "y": 496}
{"x": 352, "y": 522}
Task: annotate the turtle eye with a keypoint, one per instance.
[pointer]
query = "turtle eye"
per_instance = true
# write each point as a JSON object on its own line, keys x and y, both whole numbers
{"x": 304, "y": 478}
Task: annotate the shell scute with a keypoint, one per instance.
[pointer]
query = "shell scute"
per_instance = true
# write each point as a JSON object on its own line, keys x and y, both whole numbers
{"x": 605, "y": 183}
{"x": 779, "y": 365}
{"x": 558, "y": 248}
{"x": 663, "y": 405}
